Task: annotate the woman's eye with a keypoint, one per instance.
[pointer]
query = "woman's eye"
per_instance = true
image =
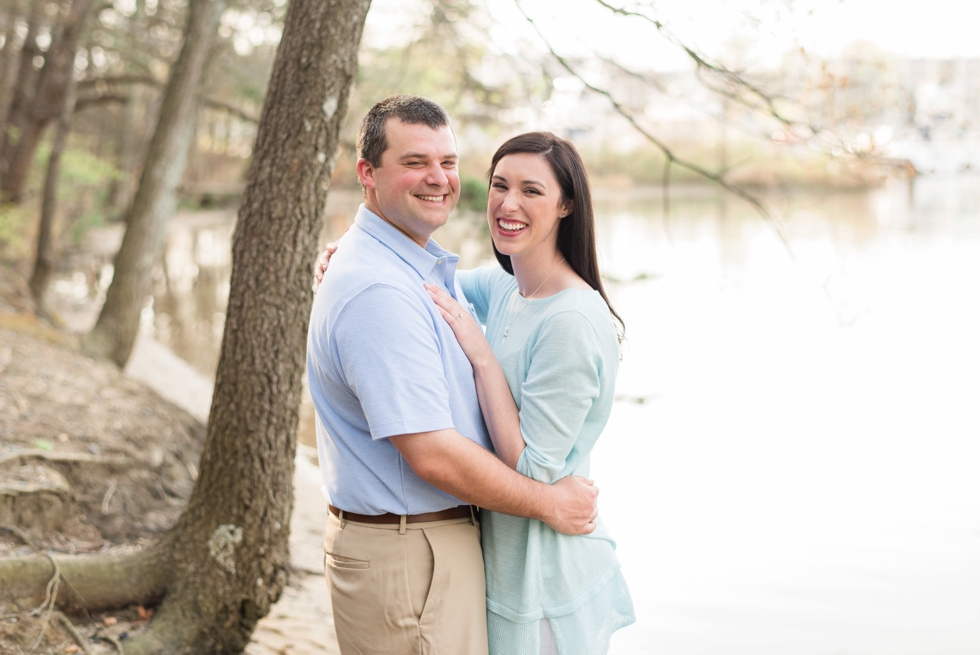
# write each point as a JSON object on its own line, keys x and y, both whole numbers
{"x": 498, "y": 185}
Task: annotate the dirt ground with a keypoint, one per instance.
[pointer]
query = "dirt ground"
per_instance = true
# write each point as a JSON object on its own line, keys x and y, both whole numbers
{"x": 95, "y": 459}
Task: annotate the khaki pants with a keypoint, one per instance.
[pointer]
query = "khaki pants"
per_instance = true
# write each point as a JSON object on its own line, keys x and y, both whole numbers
{"x": 417, "y": 589}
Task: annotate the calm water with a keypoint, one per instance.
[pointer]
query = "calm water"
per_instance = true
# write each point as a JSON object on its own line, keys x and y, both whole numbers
{"x": 792, "y": 468}
{"x": 803, "y": 476}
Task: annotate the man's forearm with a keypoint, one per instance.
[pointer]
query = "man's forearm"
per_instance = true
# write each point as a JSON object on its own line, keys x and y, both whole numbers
{"x": 451, "y": 462}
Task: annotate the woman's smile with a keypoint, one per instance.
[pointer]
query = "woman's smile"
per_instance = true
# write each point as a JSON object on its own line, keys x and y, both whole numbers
{"x": 510, "y": 227}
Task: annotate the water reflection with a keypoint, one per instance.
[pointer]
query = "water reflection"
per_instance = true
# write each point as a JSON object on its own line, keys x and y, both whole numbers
{"x": 794, "y": 470}
{"x": 191, "y": 294}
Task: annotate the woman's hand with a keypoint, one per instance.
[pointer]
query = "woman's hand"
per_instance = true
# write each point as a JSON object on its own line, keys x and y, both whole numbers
{"x": 322, "y": 264}
{"x": 468, "y": 332}
{"x": 496, "y": 402}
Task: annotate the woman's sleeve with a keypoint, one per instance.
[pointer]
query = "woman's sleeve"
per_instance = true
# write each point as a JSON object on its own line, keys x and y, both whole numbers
{"x": 476, "y": 286}
{"x": 563, "y": 381}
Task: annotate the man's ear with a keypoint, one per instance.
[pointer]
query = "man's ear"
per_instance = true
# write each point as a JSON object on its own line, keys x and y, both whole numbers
{"x": 365, "y": 173}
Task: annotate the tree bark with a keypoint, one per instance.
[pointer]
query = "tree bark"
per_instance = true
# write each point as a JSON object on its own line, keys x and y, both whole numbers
{"x": 230, "y": 547}
{"x": 44, "y": 258}
{"x": 224, "y": 561}
{"x": 52, "y": 85}
{"x": 115, "y": 331}
{"x": 247, "y": 463}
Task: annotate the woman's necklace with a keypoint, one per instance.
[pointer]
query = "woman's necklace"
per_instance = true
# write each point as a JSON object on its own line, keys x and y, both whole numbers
{"x": 527, "y": 299}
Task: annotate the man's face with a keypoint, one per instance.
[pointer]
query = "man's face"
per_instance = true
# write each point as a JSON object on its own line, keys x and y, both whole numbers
{"x": 417, "y": 184}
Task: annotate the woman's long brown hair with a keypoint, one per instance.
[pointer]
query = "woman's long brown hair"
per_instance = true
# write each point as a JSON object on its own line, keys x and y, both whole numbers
{"x": 576, "y": 232}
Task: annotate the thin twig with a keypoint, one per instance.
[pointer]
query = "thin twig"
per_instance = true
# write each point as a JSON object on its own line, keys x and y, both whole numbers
{"x": 722, "y": 71}
{"x": 646, "y": 79}
{"x": 51, "y": 597}
{"x": 667, "y": 152}
{"x": 51, "y": 584}
{"x": 20, "y": 534}
{"x": 824, "y": 137}
{"x": 75, "y": 634}
{"x": 108, "y": 496}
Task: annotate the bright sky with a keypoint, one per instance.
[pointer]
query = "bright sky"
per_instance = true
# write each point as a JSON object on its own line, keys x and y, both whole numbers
{"x": 761, "y": 29}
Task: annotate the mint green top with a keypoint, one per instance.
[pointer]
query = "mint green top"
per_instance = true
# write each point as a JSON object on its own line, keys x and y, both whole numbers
{"x": 559, "y": 356}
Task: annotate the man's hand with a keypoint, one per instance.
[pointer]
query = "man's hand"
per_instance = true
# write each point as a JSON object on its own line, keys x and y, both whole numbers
{"x": 573, "y": 507}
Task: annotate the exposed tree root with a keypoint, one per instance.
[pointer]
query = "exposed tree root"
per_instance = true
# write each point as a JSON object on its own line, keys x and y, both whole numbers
{"x": 91, "y": 582}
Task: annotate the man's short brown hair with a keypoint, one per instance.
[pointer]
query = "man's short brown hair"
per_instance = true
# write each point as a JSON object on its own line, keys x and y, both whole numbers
{"x": 372, "y": 140}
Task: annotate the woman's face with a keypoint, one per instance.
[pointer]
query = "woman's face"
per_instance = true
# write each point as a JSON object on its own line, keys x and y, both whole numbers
{"x": 525, "y": 206}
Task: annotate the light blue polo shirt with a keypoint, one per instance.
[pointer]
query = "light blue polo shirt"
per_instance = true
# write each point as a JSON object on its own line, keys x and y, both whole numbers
{"x": 381, "y": 361}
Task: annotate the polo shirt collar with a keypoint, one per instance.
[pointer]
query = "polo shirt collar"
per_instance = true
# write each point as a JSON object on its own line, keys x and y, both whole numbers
{"x": 422, "y": 260}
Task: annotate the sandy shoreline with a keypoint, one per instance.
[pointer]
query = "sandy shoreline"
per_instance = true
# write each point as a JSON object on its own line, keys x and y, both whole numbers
{"x": 301, "y": 623}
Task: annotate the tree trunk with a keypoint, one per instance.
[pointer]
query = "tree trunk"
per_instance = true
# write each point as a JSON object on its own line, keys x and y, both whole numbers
{"x": 52, "y": 85}
{"x": 120, "y": 190}
{"x": 44, "y": 259}
{"x": 224, "y": 561}
{"x": 230, "y": 547}
{"x": 8, "y": 61}
{"x": 115, "y": 331}
{"x": 23, "y": 91}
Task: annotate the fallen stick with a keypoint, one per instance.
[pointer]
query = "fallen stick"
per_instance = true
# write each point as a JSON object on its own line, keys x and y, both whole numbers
{"x": 73, "y": 631}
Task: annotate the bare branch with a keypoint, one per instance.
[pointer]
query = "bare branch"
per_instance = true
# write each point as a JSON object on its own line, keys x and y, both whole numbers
{"x": 234, "y": 110}
{"x": 120, "y": 80}
{"x": 102, "y": 99}
{"x": 646, "y": 79}
{"x": 103, "y": 96}
{"x": 722, "y": 71}
{"x": 667, "y": 152}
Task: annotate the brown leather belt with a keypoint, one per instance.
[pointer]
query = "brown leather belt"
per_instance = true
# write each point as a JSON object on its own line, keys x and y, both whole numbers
{"x": 458, "y": 512}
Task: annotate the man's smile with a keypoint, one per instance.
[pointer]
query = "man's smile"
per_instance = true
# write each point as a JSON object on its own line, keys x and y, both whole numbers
{"x": 432, "y": 198}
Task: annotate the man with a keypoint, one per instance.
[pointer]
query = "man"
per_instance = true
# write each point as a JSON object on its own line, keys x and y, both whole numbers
{"x": 402, "y": 443}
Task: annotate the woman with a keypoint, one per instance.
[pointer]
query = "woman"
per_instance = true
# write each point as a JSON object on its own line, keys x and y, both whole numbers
{"x": 545, "y": 374}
